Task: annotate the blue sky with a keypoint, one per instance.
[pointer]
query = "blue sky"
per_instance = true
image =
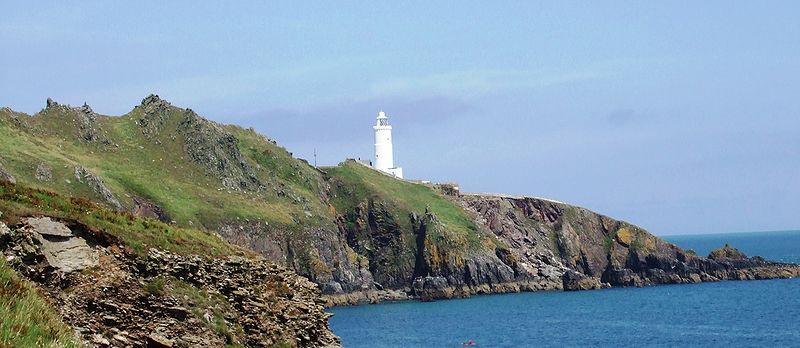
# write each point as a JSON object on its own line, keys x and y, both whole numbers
{"x": 681, "y": 117}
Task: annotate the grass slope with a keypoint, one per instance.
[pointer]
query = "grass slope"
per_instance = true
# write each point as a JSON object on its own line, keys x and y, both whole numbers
{"x": 156, "y": 167}
{"x": 26, "y": 318}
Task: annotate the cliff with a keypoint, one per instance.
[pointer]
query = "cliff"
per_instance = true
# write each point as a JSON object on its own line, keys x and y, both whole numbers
{"x": 357, "y": 234}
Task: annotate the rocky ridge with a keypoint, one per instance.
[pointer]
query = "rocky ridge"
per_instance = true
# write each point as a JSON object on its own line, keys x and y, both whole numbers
{"x": 83, "y": 119}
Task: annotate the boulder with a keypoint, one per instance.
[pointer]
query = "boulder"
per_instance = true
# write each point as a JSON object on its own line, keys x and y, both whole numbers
{"x": 726, "y": 253}
{"x": 43, "y": 172}
{"x": 61, "y": 248}
{"x": 574, "y": 281}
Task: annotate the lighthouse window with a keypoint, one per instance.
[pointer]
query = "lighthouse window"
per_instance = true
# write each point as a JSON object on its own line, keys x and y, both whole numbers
{"x": 384, "y": 122}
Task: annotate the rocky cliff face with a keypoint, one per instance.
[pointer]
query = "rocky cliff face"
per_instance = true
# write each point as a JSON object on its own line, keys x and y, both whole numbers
{"x": 540, "y": 245}
{"x": 592, "y": 250}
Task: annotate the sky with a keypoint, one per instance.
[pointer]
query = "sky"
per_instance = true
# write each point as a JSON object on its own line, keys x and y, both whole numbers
{"x": 678, "y": 116}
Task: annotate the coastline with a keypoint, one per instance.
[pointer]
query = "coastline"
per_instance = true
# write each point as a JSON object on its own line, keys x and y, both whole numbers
{"x": 775, "y": 271}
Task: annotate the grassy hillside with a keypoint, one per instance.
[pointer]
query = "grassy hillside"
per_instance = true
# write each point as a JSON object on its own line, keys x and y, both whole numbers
{"x": 168, "y": 162}
{"x": 138, "y": 157}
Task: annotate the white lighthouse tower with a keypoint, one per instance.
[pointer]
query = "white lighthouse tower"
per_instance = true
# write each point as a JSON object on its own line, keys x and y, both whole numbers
{"x": 384, "y": 159}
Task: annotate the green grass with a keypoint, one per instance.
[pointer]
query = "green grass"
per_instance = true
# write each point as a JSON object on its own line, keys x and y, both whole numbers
{"x": 159, "y": 170}
{"x": 17, "y": 201}
{"x": 26, "y": 318}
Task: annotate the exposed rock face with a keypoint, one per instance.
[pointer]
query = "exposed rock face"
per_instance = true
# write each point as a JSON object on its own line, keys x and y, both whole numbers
{"x": 61, "y": 248}
{"x": 598, "y": 250}
{"x": 154, "y": 115}
{"x": 43, "y": 172}
{"x": 727, "y": 253}
{"x": 550, "y": 246}
{"x": 96, "y": 183}
{"x": 576, "y": 281}
{"x": 145, "y": 208}
{"x": 414, "y": 263}
{"x": 325, "y": 259}
{"x": 83, "y": 119}
{"x": 6, "y": 176}
{"x": 210, "y": 146}
{"x": 167, "y": 300}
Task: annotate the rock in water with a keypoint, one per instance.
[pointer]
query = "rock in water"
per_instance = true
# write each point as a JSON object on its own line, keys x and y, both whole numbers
{"x": 726, "y": 252}
{"x": 576, "y": 281}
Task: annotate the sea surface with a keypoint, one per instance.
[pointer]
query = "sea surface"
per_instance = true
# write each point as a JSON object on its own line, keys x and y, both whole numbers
{"x": 724, "y": 314}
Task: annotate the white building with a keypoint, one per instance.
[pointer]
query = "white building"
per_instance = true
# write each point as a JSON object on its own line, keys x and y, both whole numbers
{"x": 384, "y": 159}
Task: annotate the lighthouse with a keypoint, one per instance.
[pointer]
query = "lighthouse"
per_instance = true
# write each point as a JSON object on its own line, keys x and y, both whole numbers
{"x": 384, "y": 159}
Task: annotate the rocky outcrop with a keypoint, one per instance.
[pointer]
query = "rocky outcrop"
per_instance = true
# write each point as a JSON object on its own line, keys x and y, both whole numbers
{"x": 126, "y": 299}
{"x": 97, "y": 185}
{"x": 145, "y": 208}
{"x": 62, "y": 249}
{"x": 5, "y": 175}
{"x": 43, "y": 172}
{"x": 154, "y": 116}
{"x": 211, "y": 147}
{"x": 83, "y": 119}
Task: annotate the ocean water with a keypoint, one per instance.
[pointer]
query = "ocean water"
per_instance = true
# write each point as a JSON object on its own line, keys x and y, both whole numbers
{"x": 731, "y": 313}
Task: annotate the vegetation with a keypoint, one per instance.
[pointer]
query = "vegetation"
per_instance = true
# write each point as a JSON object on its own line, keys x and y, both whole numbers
{"x": 209, "y": 308}
{"x": 608, "y": 241}
{"x": 17, "y": 201}
{"x": 26, "y": 318}
{"x": 152, "y": 163}
{"x": 354, "y": 184}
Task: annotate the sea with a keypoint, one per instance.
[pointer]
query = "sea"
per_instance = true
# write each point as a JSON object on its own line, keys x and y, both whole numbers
{"x": 759, "y": 313}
